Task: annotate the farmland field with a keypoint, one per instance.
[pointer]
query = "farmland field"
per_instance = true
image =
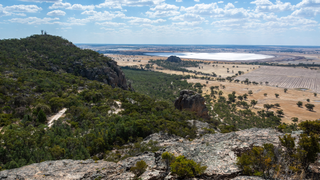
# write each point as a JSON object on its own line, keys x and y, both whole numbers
{"x": 285, "y": 77}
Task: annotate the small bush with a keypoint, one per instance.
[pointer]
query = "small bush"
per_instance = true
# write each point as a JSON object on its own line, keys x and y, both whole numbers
{"x": 140, "y": 168}
{"x": 186, "y": 168}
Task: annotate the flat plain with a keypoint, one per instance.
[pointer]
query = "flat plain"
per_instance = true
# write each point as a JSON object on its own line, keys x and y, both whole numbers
{"x": 285, "y": 77}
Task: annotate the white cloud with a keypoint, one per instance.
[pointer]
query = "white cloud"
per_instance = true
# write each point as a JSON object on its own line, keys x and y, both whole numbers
{"x": 34, "y": 20}
{"x": 202, "y": 9}
{"x": 267, "y": 6}
{"x": 158, "y": 14}
{"x": 113, "y": 24}
{"x": 23, "y": 8}
{"x": 119, "y": 3}
{"x": 229, "y": 6}
{"x": 56, "y": 13}
{"x": 178, "y": 0}
{"x": 94, "y": 16}
{"x": 220, "y": 2}
{"x": 139, "y": 21}
{"x": 40, "y": 1}
{"x": 306, "y": 12}
{"x": 188, "y": 17}
{"x": 163, "y": 10}
{"x": 187, "y": 23}
{"x": 81, "y": 7}
{"x": 61, "y": 5}
{"x": 273, "y": 25}
{"x": 261, "y": 2}
{"x": 309, "y": 3}
{"x": 164, "y": 7}
{"x": 196, "y": 0}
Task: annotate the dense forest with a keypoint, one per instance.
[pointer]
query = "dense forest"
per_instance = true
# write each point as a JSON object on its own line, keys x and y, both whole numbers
{"x": 158, "y": 85}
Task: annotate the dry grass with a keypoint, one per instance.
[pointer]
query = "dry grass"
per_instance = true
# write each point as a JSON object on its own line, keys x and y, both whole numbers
{"x": 287, "y": 100}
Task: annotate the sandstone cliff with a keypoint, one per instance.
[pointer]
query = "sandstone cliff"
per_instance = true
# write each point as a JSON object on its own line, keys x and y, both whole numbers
{"x": 191, "y": 101}
{"x": 217, "y": 151}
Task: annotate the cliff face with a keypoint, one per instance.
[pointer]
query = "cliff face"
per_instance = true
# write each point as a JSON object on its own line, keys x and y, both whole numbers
{"x": 216, "y": 151}
{"x": 110, "y": 73}
{"x": 191, "y": 101}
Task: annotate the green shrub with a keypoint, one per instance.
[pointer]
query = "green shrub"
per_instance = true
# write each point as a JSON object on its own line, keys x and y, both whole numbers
{"x": 140, "y": 168}
{"x": 186, "y": 168}
{"x": 168, "y": 158}
{"x": 310, "y": 127}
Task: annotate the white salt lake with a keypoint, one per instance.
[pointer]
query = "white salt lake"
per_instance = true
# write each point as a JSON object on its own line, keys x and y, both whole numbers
{"x": 214, "y": 56}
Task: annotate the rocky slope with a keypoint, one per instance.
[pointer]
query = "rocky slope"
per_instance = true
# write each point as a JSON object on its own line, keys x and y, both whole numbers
{"x": 217, "y": 151}
{"x": 192, "y": 101}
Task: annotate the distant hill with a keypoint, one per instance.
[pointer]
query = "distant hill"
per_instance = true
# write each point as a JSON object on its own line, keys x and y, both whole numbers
{"x": 53, "y": 53}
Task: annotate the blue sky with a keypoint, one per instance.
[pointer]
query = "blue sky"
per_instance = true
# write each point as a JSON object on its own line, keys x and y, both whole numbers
{"x": 253, "y": 22}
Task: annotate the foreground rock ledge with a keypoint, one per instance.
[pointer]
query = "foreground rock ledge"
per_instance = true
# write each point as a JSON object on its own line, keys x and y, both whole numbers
{"x": 216, "y": 151}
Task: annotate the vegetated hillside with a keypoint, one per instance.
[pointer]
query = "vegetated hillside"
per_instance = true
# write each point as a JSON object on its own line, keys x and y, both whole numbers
{"x": 53, "y": 53}
{"x": 88, "y": 129}
{"x": 35, "y": 84}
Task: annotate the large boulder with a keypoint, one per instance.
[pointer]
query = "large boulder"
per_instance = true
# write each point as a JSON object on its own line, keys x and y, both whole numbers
{"x": 174, "y": 59}
{"x": 191, "y": 101}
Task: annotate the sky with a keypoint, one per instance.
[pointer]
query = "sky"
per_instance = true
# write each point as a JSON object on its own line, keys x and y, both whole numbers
{"x": 252, "y": 22}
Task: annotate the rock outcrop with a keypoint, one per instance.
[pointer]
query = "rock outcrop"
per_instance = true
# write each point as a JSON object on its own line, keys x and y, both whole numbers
{"x": 191, "y": 101}
{"x": 216, "y": 151}
{"x": 174, "y": 59}
{"x": 110, "y": 73}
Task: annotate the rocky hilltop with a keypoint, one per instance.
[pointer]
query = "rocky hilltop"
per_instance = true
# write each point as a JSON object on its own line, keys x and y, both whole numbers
{"x": 216, "y": 151}
{"x": 192, "y": 101}
{"x": 53, "y": 53}
{"x": 174, "y": 59}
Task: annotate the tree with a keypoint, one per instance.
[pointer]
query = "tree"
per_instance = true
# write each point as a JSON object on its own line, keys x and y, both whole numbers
{"x": 265, "y": 94}
{"x": 310, "y": 107}
{"x": 308, "y": 100}
{"x": 285, "y": 90}
{"x": 186, "y": 168}
{"x": 295, "y": 119}
{"x": 280, "y": 113}
{"x": 245, "y": 96}
{"x": 57, "y": 152}
{"x": 315, "y": 94}
{"x": 240, "y": 98}
{"x": 276, "y": 105}
{"x": 299, "y": 103}
{"x": 139, "y": 168}
{"x": 253, "y": 103}
{"x": 168, "y": 158}
{"x": 250, "y": 92}
{"x": 277, "y": 95}
{"x": 268, "y": 106}
{"x": 41, "y": 117}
